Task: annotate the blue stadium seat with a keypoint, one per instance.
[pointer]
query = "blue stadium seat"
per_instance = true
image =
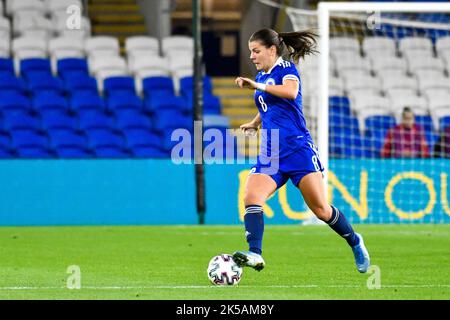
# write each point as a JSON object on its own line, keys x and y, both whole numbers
{"x": 145, "y": 143}
{"x": 94, "y": 119}
{"x": 5, "y": 146}
{"x": 338, "y": 122}
{"x": 379, "y": 122}
{"x": 35, "y": 64}
{"x": 373, "y": 142}
{"x": 9, "y": 83}
{"x": 187, "y": 85}
{"x": 30, "y": 144}
{"x": 6, "y": 154}
{"x": 35, "y": 153}
{"x": 124, "y": 101}
{"x": 129, "y": 118}
{"x": 161, "y": 101}
{"x": 69, "y": 144}
{"x": 171, "y": 119}
{"x": 20, "y": 120}
{"x": 425, "y": 121}
{"x": 105, "y": 138}
{"x": 87, "y": 100}
{"x": 150, "y": 152}
{"x": 49, "y": 100}
{"x": 211, "y": 103}
{"x": 348, "y": 146}
{"x": 13, "y": 101}
{"x": 5, "y": 141}
{"x": 57, "y": 119}
{"x": 68, "y": 65}
{"x": 7, "y": 66}
{"x": 120, "y": 84}
{"x": 339, "y": 106}
{"x": 107, "y": 143}
{"x": 152, "y": 85}
{"x": 81, "y": 83}
{"x": 444, "y": 122}
{"x": 41, "y": 81}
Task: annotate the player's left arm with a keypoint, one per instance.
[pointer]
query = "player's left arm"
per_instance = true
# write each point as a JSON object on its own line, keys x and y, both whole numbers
{"x": 287, "y": 90}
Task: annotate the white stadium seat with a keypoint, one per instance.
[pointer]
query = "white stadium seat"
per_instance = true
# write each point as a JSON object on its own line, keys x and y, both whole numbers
{"x": 335, "y": 87}
{"x": 141, "y": 43}
{"x": 362, "y": 83}
{"x": 375, "y": 46}
{"x": 177, "y": 43}
{"x": 415, "y": 43}
{"x": 5, "y": 27}
{"x": 53, "y": 6}
{"x": 60, "y": 21}
{"x": 443, "y": 45}
{"x": 4, "y": 48}
{"x": 65, "y": 43}
{"x": 27, "y": 43}
{"x": 35, "y": 26}
{"x": 391, "y": 73}
{"x": 426, "y": 83}
{"x": 102, "y": 44}
{"x": 142, "y": 63}
{"x": 351, "y": 61}
{"x": 433, "y": 95}
{"x": 344, "y": 43}
{"x": 15, "y": 6}
{"x": 111, "y": 63}
{"x": 420, "y": 62}
{"x": 177, "y": 62}
{"x": 439, "y": 101}
{"x": 418, "y": 104}
{"x": 399, "y": 83}
{"x": 397, "y": 92}
{"x": 380, "y": 63}
{"x": 438, "y": 113}
{"x": 359, "y": 103}
{"x": 445, "y": 56}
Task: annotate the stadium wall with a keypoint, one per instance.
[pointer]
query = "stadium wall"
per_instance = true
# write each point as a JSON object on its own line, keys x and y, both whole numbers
{"x": 141, "y": 192}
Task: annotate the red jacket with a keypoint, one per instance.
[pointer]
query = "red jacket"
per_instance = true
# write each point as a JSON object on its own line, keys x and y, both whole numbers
{"x": 402, "y": 142}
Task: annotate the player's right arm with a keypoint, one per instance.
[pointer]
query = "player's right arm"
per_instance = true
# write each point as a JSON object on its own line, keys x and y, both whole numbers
{"x": 254, "y": 124}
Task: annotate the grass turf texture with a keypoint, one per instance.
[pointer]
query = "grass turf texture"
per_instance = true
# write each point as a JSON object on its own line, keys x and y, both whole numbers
{"x": 169, "y": 262}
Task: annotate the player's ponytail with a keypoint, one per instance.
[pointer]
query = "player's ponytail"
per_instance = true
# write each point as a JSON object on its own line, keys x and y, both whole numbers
{"x": 298, "y": 43}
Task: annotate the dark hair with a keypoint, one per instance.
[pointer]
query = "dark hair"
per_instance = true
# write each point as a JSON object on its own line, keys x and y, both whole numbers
{"x": 406, "y": 109}
{"x": 298, "y": 43}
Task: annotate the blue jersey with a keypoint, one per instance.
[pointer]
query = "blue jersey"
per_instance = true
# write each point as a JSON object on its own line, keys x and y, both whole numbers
{"x": 283, "y": 114}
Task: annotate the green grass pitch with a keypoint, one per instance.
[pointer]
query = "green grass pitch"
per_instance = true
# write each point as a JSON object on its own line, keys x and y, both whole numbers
{"x": 169, "y": 262}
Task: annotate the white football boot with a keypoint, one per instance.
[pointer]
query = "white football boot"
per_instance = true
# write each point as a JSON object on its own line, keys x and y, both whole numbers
{"x": 249, "y": 259}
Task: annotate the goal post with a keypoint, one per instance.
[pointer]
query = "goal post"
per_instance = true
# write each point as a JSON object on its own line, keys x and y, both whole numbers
{"x": 324, "y": 10}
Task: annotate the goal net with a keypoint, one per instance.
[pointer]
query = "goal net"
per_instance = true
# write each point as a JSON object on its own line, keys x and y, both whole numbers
{"x": 385, "y": 163}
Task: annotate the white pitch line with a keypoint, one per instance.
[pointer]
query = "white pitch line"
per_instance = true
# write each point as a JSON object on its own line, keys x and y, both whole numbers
{"x": 211, "y": 286}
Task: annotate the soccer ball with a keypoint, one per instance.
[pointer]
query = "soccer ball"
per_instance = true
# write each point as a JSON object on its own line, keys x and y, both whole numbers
{"x": 223, "y": 271}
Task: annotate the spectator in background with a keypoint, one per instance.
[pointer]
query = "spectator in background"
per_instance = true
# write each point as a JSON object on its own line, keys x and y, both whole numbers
{"x": 442, "y": 147}
{"x": 405, "y": 140}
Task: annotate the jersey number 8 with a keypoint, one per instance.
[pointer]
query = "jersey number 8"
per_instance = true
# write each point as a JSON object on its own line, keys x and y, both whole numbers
{"x": 263, "y": 104}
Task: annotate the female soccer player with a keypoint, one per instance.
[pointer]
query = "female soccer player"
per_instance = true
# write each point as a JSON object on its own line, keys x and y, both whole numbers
{"x": 278, "y": 98}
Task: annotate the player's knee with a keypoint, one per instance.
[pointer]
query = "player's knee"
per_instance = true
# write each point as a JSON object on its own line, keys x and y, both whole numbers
{"x": 253, "y": 198}
{"x": 322, "y": 212}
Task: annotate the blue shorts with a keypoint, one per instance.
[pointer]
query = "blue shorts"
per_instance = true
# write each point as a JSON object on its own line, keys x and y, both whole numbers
{"x": 295, "y": 166}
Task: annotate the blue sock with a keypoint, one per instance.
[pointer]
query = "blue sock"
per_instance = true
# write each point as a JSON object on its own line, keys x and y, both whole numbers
{"x": 342, "y": 227}
{"x": 254, "y": 227}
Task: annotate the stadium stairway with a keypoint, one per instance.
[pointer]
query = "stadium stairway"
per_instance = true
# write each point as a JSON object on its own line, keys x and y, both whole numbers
{"x": 118, "y": 18}
{"x": 237, "y": 104}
